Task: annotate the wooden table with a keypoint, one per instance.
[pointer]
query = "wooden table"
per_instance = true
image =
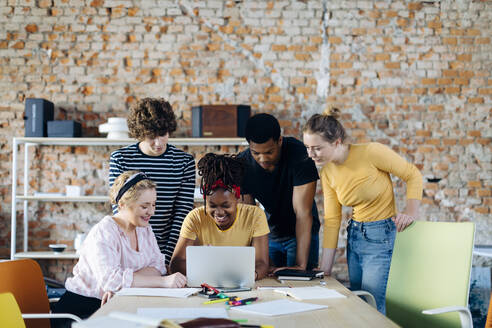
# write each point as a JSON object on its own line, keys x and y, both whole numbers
{"x": 346, "y": 312}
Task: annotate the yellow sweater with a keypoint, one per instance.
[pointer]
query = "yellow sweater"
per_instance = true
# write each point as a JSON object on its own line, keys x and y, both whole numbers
{"x": 363, "y": 182}
{"x": 250, "y": 222}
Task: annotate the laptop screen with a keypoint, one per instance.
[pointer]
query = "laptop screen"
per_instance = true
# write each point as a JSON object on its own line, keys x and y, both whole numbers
{"x": 220, "y": 266}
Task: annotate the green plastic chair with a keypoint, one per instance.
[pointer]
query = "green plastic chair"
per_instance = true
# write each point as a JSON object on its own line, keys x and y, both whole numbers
{"x": 429, "y": 277}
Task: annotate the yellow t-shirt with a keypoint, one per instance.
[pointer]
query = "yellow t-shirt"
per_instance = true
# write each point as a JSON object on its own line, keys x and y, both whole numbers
{"x": 363, "y": 182}
{"x": 250, "y": 222}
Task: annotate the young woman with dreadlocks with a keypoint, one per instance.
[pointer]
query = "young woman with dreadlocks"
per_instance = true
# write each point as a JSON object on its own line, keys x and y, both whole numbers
{"x": 223, "y": 221}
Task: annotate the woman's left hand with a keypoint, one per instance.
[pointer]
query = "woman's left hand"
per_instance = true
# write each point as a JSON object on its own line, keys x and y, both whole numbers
{"x": 106, "y": 297}
{"x": 402, "y": 221}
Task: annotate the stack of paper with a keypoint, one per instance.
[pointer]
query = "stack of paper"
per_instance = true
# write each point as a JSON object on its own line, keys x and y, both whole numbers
{"x": 310, "y": 293}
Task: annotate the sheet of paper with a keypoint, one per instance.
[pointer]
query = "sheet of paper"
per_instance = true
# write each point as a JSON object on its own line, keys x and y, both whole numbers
{"x": 109, "y": 322}
{"x": 183, "y": 313}
{"x": 163, "y": 292}
{"x": 117, "y": 319}
{"x": 277, "y": 307}
{"x": 310, "y": 293}
{"x": 132, "y": 317}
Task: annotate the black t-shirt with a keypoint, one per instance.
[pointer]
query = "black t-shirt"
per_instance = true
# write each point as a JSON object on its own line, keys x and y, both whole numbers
{"x": 274, "y": 189}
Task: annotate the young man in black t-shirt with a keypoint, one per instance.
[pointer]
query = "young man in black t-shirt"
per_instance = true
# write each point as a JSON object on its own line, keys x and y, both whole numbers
{"x": 281, "y": 176}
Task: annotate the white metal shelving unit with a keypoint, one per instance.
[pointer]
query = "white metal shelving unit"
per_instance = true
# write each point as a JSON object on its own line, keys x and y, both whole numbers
{"x": 26, "y": 197}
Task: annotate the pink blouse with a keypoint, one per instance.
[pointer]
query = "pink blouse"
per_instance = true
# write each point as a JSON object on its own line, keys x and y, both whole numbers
{"x": 107, "y": 261}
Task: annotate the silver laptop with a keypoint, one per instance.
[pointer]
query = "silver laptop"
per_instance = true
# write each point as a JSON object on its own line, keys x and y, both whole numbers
{"x": 220, "y": 266}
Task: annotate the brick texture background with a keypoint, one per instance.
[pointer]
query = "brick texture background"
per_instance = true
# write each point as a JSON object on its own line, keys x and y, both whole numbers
{"x": 415, "y": 75}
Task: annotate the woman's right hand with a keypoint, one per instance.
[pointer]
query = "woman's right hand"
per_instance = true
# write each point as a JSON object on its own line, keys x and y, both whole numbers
{"x": 327, "y": 259}
{"x": 175, "y": 280}
{"x": 106, "y": 297}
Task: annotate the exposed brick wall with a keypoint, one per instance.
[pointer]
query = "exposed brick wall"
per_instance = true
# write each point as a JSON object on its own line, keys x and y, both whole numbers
{"x": 415, "y": 75}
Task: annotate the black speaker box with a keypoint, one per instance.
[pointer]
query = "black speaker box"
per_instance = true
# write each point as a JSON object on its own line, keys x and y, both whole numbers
{"x": 220, "y": 121}
{"x": 64, "y": 129}
{"x": 38, "y": 111}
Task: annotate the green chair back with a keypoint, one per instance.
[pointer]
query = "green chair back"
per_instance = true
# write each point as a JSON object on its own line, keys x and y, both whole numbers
{"x": 430, "y": 269}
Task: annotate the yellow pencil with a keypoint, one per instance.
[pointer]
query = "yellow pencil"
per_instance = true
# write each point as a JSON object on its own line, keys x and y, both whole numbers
{"x": 217, "y": 301}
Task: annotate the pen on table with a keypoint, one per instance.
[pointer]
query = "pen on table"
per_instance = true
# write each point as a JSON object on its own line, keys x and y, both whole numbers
{"x": 237, "y": 303}
{"x": 242, "y": 302}
{"x": 220, "y": 300}
{"x": 257, "y": 326}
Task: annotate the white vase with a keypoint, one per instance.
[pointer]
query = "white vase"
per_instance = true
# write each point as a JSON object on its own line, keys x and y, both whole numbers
{"x": 116, "y": 128}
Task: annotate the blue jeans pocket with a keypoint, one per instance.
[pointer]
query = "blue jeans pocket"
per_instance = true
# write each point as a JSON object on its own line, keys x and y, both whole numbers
{"x": 377, "y": 234}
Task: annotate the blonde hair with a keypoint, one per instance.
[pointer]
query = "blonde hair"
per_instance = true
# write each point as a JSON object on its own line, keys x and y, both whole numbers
{"x": 326, "y": 125}
{"x": 333, "y": 112}
{"x": 132, "y": 194}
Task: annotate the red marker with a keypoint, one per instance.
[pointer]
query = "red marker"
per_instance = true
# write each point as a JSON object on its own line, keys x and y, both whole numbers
{"x": 216, "y": 291}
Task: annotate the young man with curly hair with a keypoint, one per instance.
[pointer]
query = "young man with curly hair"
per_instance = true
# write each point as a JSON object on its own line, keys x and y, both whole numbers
{"x": 151, "y": 121}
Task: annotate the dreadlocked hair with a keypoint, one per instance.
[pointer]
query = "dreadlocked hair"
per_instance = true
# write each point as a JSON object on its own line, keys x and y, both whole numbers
{"x": 212, "y": 167}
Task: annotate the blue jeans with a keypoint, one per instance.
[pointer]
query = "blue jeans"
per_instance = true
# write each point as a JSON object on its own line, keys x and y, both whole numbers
{"x": 369, "y": 251}
{"x": 284, "y": 253}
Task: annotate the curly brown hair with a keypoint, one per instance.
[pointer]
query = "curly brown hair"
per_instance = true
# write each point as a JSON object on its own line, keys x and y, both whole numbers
{"x": 150, "y": 118}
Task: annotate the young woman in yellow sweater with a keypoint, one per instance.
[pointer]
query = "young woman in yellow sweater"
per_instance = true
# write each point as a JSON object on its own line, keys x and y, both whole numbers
{"x": 358, "y": 175}
{"x": 223, "y": 221}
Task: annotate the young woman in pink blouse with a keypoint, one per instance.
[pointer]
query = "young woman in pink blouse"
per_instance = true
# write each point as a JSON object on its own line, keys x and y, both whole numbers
{"x": 120, "y": 251}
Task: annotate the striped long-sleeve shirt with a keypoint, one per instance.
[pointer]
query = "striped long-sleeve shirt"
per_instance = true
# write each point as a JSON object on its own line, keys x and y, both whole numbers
{"x": 174, "y": 174}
